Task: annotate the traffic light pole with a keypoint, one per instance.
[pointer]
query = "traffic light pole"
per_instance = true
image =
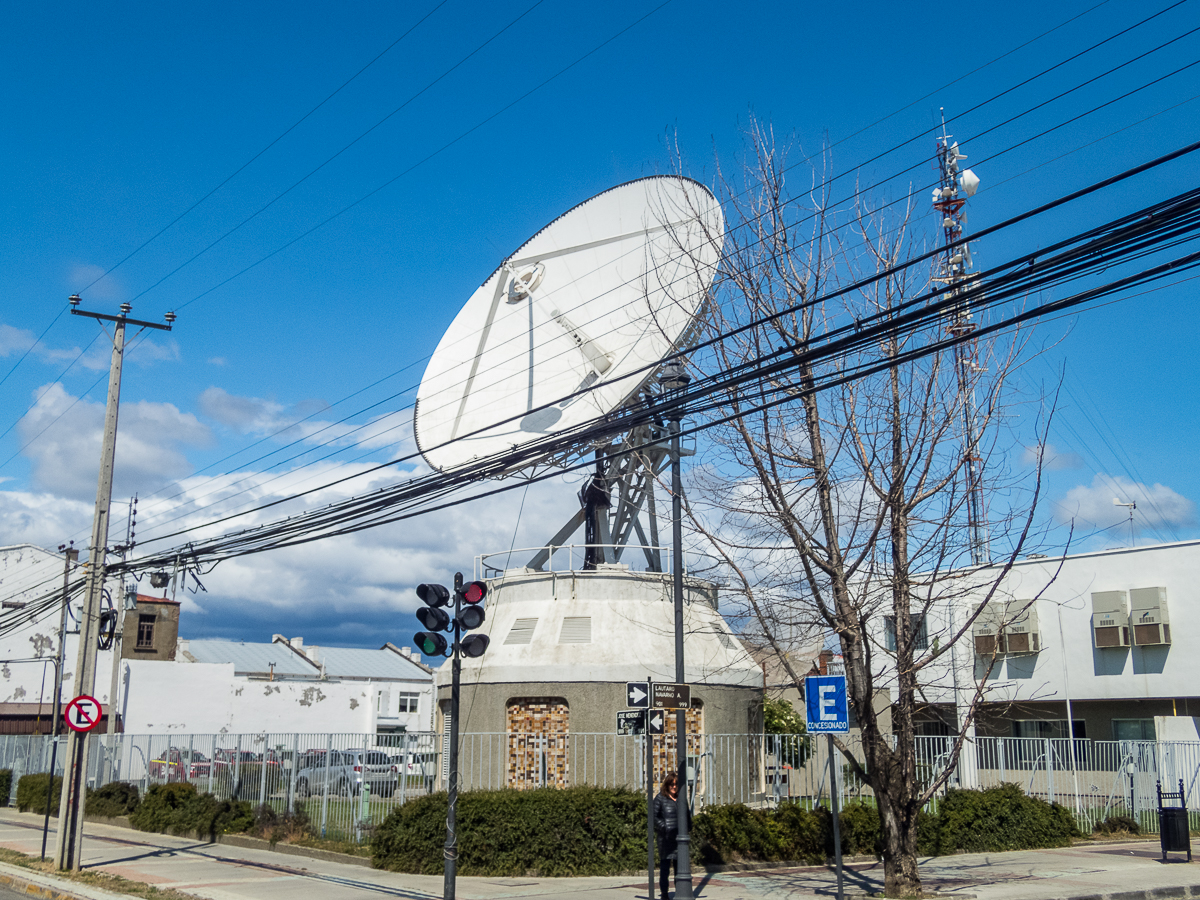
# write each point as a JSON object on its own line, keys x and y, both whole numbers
{"x": 451, "y": 851}
{"x": 683, "y": 861}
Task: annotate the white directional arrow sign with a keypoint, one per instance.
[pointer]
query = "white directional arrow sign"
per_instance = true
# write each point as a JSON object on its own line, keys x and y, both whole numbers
{"x": 637, "y": 693}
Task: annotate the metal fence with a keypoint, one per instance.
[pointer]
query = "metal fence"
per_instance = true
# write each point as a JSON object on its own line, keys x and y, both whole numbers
{"x": 317, "y": 774}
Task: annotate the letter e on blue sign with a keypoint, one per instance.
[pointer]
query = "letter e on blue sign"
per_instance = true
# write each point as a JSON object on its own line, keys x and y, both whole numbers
{"x": 825, "y": 703}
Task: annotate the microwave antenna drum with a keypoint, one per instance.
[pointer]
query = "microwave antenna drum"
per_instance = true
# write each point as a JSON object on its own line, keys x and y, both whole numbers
{"x": 570, "y": 326}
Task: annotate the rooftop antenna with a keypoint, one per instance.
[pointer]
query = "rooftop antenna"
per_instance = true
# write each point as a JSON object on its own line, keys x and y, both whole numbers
{"x": 1131, "y": 506}
{"x": 949, "y": 198}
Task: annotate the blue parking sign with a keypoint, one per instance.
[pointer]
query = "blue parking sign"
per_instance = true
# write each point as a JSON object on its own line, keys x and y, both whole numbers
{"x": 825, "y": 704}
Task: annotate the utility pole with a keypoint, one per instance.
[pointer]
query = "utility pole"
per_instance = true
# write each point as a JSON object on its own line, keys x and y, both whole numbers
{"x": 675, "y": 379}
{"x": 69, "y": 844}
{"x": 70, "y": 556}
{"x": 955, "y": 267}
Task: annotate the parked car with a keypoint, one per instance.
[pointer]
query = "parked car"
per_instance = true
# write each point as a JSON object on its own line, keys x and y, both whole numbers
{"x": 180, "y": 765}
{"x": 229, "y": 757}
{"x": 346, "y": 771}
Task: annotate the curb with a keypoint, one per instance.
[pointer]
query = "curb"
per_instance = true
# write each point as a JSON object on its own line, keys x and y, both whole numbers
{"x": 47, "y": 887}
{"x": 253, "y": 843}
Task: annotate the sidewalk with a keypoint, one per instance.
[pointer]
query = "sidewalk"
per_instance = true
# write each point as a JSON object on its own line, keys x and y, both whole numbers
{"x": 225, "y": 872}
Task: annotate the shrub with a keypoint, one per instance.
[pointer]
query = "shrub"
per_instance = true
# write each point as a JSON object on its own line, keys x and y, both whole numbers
{"x": 5, "y": 785}
{"x": 281, "y": 826}
{"x": 1118, "y": 825}
{"x": 117, "y": 798}
{"x": 31, "y": 794}
{"x": 545, "y": 833}
{"x": 249, "y": 780}
{"x": 178, "y": 808}
{"x": 1000, "y": 818}
{"x": 732, "y": 833}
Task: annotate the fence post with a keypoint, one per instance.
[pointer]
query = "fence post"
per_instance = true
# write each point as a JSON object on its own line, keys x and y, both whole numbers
{"x": 404, "y": 770}
{"x": 212, "y": 763}
{"x": 291, "y": 791}
{"x": 325, "y": 792}
{"x": 1049, "y": 770}
{"x": 262, "y": 774}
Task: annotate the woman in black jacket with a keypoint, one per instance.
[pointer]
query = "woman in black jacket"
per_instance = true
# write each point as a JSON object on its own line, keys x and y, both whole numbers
{"x": 666, "y": 825}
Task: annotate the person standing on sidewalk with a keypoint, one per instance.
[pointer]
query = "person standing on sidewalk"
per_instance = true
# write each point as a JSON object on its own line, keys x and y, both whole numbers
{"x": 667, "y": 810}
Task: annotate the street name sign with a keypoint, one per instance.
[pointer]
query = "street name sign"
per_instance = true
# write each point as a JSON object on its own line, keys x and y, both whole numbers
{"x": 83, "y": 713}
{"x": 637, "y": 694}
{"x": 631, "y": 721}
{"x": 825, "y": 704}
{"x": 671, "y": 696}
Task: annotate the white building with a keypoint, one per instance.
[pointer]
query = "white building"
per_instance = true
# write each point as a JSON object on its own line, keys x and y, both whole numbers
{"x": 204, "y": 687}
{"x": 1110, "y": 631}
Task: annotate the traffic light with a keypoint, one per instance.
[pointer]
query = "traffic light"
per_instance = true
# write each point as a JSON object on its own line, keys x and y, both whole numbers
{"x": 433, "y": 617}
{"x": 469, "y": 597}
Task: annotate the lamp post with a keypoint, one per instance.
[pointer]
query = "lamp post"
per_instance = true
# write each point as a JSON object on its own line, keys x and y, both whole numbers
{"x": 674, "y": 380}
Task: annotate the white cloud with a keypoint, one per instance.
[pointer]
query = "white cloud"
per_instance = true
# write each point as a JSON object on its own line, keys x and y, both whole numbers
{"x": 14, "y": 340}
{"x": 1053, "y": 459}
{"x": 1158, "y": 506}
{"x": 64, "y": 435}
{"x": 258, "y": 416}
{"x": 91, "y": 278}
{"x": 43, "y": 519}
{"x": 218, "y": 361}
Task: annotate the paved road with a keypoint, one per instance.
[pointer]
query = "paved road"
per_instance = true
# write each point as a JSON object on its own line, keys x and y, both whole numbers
{"x": 224, "y": 872}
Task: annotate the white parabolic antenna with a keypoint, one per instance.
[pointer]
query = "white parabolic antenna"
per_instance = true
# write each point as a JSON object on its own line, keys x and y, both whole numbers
{"x": 589, "y": 304}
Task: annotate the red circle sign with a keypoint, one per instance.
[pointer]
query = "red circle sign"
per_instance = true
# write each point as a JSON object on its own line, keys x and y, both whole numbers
{"x": 83, "y": 713}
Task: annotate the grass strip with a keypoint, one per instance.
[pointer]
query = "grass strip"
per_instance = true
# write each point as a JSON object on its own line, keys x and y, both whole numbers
{"x": 103, "y": 880}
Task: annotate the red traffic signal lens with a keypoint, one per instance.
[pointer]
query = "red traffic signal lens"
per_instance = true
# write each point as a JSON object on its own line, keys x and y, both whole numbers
{"x": 430, "y": 644}
{"x": 433, "y": 594}
{"x": 473, "y": 592}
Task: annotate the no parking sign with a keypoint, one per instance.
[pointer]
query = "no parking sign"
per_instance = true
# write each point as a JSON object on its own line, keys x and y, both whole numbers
{"x": 83, "y": 713}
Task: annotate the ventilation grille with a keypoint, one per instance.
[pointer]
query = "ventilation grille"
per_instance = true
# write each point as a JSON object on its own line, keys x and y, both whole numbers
{"x": 576, "y": 630}
{"x": 522, "y": 631}
{"x": 726, "y": 641}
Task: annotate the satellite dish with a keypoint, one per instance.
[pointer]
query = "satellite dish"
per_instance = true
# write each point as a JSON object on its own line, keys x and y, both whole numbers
{"x": 589, "y": 304}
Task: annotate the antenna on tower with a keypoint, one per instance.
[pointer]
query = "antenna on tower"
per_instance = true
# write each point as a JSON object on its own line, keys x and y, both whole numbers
{"x": 949, "y": 198}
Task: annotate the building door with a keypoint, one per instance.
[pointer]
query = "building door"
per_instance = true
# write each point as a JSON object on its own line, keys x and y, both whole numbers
{"x": 538, "y": 734}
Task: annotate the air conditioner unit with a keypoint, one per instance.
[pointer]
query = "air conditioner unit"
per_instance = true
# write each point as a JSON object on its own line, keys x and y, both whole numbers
{"x": 986, "y": 630}
{"x": 1021, "y": 633}
{"x": 1110, "y": 619}
{"x": 1148, "y": 616}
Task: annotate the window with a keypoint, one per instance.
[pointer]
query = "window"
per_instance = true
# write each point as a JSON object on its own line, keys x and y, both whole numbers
{"x": 1047, "y": 728}
{"x": 145, "y": 633}
{"x": 408, "y": 702}
{"x": 1133, "y": 729}
{"x": 919, "y": 630}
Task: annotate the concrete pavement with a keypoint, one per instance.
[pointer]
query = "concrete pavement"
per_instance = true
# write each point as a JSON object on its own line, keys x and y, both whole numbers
{"x": 225, "y": 872}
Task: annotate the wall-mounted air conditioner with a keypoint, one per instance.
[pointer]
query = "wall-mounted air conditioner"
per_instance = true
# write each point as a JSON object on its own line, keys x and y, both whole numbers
{"x": 1021, "y": 633}
{"x": 1110, "y": 619}
{"x": 1148, "y": 616}
{"x": 986, "y": 630}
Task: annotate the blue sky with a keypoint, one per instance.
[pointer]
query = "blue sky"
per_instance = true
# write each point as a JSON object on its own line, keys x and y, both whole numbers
{"x": 120, "y": 119}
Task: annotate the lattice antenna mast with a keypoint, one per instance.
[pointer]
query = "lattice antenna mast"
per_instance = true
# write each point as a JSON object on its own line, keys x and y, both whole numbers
{"x": 949, "y": 198}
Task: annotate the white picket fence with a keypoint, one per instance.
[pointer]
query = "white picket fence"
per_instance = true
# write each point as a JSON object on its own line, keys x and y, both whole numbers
{"x": 292, "y": 772}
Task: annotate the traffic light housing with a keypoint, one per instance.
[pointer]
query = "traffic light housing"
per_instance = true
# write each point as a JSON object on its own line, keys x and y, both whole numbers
{"x": 470, "y": 596}
{"x": 433, "y": 617}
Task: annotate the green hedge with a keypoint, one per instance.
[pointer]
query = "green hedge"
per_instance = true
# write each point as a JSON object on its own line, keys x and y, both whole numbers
{"x": 997, "y": 819}
{"x": 178, "y": 808}
{"x": 544, "y": 833}
{"x": 1000, "y": 818}
{"x": 117, "y": 798}
{"x": 591, "y": 831}
{"x": 5, "y": 785}
{"x": 31, "y": 794}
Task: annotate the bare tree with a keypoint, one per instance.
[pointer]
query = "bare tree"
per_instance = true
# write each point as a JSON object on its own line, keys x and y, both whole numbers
{"x": 833, "y": 492}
